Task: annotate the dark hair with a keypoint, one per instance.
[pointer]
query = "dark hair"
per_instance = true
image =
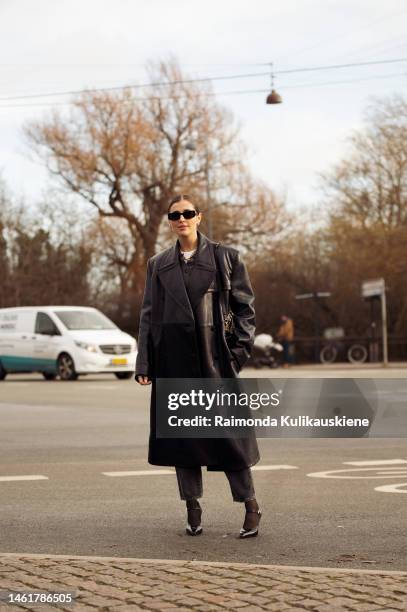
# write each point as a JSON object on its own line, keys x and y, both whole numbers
{"x": 180, "y": 197}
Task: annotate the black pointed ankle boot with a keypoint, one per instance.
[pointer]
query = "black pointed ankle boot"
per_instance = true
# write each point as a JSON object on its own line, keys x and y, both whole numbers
{"x": 194, "y": 510}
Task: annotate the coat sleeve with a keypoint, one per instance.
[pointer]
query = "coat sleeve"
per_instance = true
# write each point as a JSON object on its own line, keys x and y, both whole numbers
{"x": 242, "y": 305}
{"x": 143, "y": 365}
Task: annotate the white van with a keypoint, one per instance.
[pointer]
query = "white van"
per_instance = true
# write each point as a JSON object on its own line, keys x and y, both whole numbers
{"x": 63, "y": 341}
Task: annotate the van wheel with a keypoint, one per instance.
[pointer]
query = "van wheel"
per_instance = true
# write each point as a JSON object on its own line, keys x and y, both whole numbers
{"x": 66, "y": 367}
{"x": 123, "y": 375}
{"x": 49, "y": 376}
{"x": 3, "y": 372}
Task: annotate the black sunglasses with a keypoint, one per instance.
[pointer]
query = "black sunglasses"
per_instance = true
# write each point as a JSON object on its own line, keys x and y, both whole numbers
{"x": 187, "y": 214}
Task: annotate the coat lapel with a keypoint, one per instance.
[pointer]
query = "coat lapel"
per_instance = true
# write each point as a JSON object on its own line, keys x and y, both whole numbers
{"x": 205, "y": 269}
{"x": 170, "y": 274}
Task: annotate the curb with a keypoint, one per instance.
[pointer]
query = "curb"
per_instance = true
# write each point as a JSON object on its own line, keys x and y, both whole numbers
{"x": 304, "y": 568}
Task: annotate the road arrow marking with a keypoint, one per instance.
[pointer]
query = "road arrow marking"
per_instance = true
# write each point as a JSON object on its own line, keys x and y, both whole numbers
{"x": 392, "y": 488}
{"x": 373, "y": 473}
{"x": 376, "y": 462}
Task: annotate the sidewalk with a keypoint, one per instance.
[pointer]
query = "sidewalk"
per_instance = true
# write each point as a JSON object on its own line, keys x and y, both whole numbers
{"x": 342, "y": 365}
{"x": 330, "y": 370}
{"x": 112, "y": 583}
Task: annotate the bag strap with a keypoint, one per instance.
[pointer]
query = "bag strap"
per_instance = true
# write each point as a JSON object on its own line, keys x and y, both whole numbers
{"x": 224, "y": 293}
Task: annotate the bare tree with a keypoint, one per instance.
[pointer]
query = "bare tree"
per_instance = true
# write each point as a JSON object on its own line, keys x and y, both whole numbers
{"x": 366, "y": 196}
{"x": 370, "y": 186}
{"x": 40, "y": 265}
{"x": 4, "y": 255}
{"x": 126, "y": 155}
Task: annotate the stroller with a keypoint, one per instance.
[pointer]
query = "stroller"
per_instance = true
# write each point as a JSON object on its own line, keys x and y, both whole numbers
{"x": 265, "y": 351}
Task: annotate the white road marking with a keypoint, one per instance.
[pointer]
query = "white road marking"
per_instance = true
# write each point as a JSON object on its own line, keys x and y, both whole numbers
{"x": 338, "y": 473}
{"x": 394, "y": 472}
{"x": 28, "y": 477}
{"x": 260, "y": 468}
{"x": 17, "y": 384}
{"x": 98, "y": 387}
{"x": 376, "y": 462}
{"x": 172, "y": 471}
{"x": 392, "y": 488}
{"x": 138, "y": 473}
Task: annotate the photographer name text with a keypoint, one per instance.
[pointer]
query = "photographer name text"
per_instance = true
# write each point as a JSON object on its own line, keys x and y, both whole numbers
{"x": 268, "y": 421}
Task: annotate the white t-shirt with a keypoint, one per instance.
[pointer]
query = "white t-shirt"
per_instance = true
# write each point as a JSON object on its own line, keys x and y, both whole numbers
{"x": 187, "y": 254}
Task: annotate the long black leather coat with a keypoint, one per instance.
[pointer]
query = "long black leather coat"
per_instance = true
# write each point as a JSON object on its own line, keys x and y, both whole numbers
{"x": 182, "y": 337}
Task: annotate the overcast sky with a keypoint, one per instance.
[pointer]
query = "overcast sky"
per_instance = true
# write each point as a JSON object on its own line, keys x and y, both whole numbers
{"x": 59, "y": 45}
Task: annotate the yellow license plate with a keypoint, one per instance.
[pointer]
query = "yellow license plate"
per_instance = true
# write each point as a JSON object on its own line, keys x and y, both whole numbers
{"x": 119, "y": 361}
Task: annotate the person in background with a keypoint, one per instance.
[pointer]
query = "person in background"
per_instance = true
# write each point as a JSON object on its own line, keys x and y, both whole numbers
{"x": 285, "y": 335}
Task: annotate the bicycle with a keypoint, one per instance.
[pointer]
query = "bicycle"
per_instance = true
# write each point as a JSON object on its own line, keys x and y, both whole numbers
{"x": 356, "y": 353}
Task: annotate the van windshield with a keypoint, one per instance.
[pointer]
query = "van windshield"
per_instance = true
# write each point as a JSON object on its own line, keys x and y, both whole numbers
{"x": 84, "y": 319}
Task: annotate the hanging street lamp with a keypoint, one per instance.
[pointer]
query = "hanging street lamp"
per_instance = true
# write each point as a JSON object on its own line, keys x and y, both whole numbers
{"x": 273, "y": 97}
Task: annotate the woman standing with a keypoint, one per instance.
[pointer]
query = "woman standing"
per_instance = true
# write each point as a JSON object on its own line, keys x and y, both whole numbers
{"x": 190, "y": 289}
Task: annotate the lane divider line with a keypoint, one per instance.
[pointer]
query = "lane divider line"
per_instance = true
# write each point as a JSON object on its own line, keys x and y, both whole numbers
{"x": 27, "y": 477}
{"x": 99, "y": 387}
{"x": 260, "y": 468}
{"x": 16, "y": 384}
{"x": 138, "y": 473}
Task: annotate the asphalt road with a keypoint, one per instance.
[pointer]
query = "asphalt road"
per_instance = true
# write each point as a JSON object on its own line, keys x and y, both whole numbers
{"x": 74, "y": 433}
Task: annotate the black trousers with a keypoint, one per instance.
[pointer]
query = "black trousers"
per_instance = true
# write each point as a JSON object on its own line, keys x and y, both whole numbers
{"x": 190, "y": 483}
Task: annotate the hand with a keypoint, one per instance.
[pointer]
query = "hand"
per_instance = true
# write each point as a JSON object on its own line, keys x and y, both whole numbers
{"x": 143, "y": 380}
